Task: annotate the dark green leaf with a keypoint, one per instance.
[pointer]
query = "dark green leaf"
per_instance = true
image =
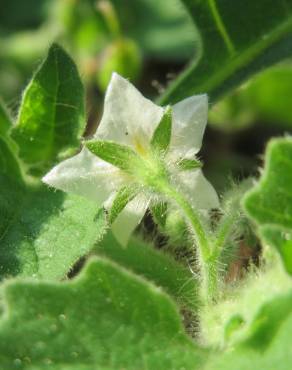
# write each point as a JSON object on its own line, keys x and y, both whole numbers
{"x": 5, "y": 121}
{"x": 106, "y": 319}
{"x": 9, "y": 164}
{"x": 51, "y": 117}
{"x": 238, "y": 39}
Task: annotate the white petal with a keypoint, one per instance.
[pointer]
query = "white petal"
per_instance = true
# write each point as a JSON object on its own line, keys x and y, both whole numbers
{"x": 189, "y": 121}
{"x": 86, "y": 175}
{"x": 198, "y": 189}
{"x": 129, "y": 219}
{"x": 127, "y": 116}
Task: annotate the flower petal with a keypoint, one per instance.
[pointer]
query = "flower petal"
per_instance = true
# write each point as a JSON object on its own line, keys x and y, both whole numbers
{"x": 198, "y": 189}
{"x": 129, "y": 219}
{"x": 127, "y": 116}
{"x": 189, "y": 121}
{"x": 86, "y": 175}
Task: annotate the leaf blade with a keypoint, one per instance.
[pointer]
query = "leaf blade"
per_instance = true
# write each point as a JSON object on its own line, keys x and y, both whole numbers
{"x": 269, "y": 203}
{"x": 238, "y": 40}
{"x": 117, "y": 310}
{"x": 51, "y": 117}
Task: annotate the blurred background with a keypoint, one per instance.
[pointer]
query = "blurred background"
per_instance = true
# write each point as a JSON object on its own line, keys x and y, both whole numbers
{"x": 150, "y": 44}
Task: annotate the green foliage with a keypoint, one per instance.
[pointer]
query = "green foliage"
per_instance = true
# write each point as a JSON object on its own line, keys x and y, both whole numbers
{"x": 126, "y": 309}
{"x": 88, "y": 323}
{"x": 159, "y": 267}
{"x": 5, "y": 121}
{"x": 51, "y": 116}
{"x": 44, "y": 232}
{"x": 238, "y": 39}
{"x": 269, "y": 204}
{"x": 267, "y": 345}
{"x": 163, "y": 32}
{"x": 9, "y": 164}
{"x": 266, "y": 97}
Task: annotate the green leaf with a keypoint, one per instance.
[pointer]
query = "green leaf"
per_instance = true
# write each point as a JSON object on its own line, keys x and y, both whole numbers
{"x": 9, "y": 164}
{"x": 268, "y": 343}
{"x": 265, "y": 98}
{"x": 120, "y": 156}
{"x": 123, "y": 197}
{"x": 5, "y": 121}
{"x": 51, "y": 117}
{"x": 44, "y": 232}
{"x": 269, "y": 204}
{"x": 161, "y": 137}
{"x": 106, "y": 319}
{"x": 156, "y": 266}
{"x": 238, "y": 39}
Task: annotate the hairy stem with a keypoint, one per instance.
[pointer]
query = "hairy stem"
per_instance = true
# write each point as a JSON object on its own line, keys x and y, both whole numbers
{"x": 208, "y": 259}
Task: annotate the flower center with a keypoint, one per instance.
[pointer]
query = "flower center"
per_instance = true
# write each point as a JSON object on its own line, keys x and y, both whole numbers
{"x": 139, "y": 146}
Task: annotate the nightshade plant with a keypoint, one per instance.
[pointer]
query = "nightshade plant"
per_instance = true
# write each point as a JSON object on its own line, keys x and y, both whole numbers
{"x": 86, "y": 284}
{"x": 142, "y": 153}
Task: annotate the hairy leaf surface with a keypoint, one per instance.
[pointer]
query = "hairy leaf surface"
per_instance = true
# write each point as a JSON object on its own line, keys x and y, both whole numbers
{"x": 106, "y": 319}
{"x": 269, "y": 204}
{"x": 44, "y": 232}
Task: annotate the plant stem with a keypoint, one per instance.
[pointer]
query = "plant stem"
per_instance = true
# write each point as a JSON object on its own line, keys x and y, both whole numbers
{"x": 208, "y": 259}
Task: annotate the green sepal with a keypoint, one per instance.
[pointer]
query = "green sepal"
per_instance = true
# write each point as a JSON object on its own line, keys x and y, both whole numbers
{"x": 161, "y": 138}
{"x": 118, "y": 155}
{"x": 159, "y": 213}
{"x": 123, "y": 197}
{"x": 187, "y": 164}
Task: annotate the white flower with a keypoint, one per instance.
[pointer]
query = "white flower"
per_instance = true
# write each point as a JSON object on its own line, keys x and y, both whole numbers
{"x": 131, "y": 119}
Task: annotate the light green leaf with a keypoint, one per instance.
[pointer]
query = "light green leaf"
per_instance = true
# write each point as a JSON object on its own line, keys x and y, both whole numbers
{"x": 51, "y": 117}
{"x": 156, "y": 266}
{"x": 269, "y": 204}
{"x": 238, "y": 39}
{"x": 268, "y": 344}
{"x": 162, "y": 135}
{"x": 44, "y": 232}
{"x": 88, "y": 324}
{"x": 122, "y": 198}
{"x": 118, "y": 155}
